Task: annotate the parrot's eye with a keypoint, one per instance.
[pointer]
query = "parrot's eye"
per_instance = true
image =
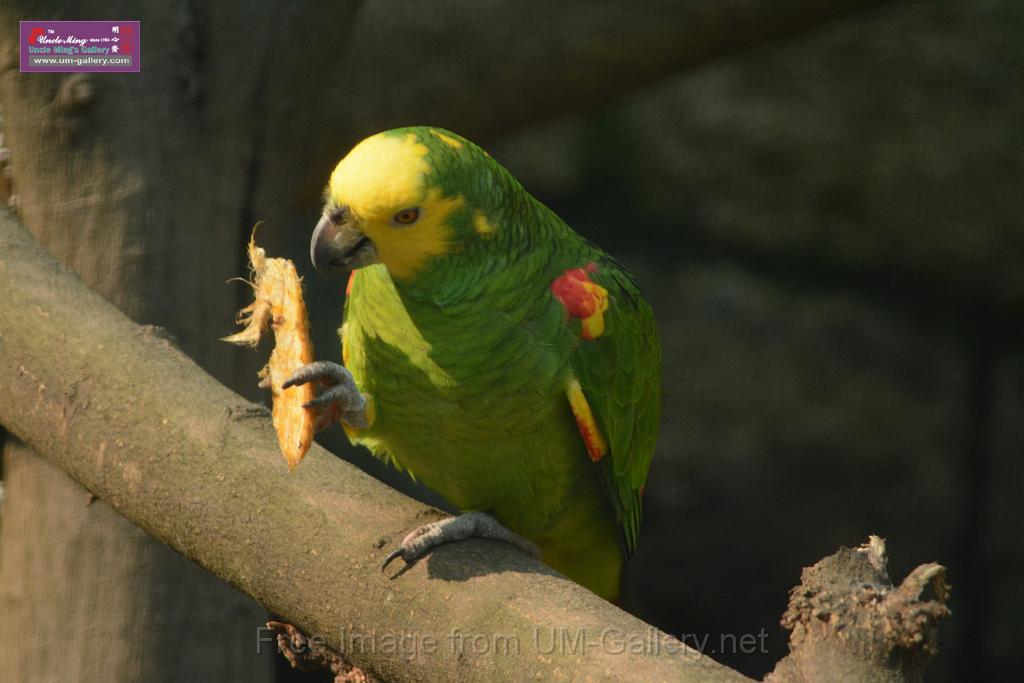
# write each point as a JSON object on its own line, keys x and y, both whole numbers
{"x": 407, "y": 216}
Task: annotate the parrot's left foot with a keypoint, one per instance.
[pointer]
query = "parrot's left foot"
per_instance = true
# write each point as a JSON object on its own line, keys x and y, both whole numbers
{"x": 341, "y": 400}
{"x": 466, "y": 525}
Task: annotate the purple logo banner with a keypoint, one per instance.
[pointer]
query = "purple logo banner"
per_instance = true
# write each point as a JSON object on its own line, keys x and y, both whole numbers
{"x": 64, "y": 46}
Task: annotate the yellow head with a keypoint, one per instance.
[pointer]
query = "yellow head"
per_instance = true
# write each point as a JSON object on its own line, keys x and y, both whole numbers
{"x": 383, "y": 204}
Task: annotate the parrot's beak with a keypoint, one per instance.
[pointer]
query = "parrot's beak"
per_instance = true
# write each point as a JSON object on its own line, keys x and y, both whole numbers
{"x": 337, "y": 246}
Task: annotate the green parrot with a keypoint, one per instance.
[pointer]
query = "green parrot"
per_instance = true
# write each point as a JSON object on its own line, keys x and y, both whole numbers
{"x": 489, "y": 351}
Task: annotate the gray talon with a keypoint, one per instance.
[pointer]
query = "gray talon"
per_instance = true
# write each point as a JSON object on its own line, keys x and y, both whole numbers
{"x": 467, "y": 525}
{"x": 340, "y": 400}
{"x": 342, "y": 394}
{"x": 318, "y": 402}
{"x": 318, "y": 371}
{"x": 390, "y": 558}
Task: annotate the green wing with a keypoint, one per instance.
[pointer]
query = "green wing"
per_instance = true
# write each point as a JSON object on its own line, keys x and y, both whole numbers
{"x": 620, "y": 374}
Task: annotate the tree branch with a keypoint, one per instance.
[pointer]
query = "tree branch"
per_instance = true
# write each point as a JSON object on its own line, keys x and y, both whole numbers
{"x": 308, "y": 654}
{"x": 119, "y": 408}
{"x": 848, "y": 622}
{"x": 531, "y": 60}
{"x": 490, "y": 67}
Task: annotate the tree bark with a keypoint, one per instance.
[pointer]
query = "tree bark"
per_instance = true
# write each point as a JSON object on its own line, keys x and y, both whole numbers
{"x": 848, "y": 622}
{"x": 198, "y": 467}
{"x": 116, "y": 176}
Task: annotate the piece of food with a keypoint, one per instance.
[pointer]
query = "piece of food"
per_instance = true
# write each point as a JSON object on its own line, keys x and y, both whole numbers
{"x": 278, "y": 301}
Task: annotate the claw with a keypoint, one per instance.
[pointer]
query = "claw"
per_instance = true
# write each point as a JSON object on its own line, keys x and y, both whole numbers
{"x": 344, "y": 394}
{"x": 340, "y": 400}
{"x": 318, "y": 402}
{"x": 467, "y": 525}
{"x": 390, "y": 558}
{"x": 317, "y": 371}
{"x": 295, "y": 379}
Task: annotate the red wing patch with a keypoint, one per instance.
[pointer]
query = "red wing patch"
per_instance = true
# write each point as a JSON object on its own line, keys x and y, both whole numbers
{"x": 351, "y": 281}
{"x": 583, "y": 298}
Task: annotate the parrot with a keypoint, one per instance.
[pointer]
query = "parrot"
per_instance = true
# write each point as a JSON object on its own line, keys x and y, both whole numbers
{"x": 489, "y": 351}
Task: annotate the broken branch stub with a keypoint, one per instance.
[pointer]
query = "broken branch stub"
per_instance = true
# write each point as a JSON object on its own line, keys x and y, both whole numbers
{"x": 848, "y": 622}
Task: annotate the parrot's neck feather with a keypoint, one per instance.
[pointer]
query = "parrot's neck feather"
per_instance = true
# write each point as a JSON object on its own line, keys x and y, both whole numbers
{"x": 529, "y": 243}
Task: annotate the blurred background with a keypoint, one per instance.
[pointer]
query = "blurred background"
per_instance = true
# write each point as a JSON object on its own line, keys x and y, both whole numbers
{"x": 828, "y": 220}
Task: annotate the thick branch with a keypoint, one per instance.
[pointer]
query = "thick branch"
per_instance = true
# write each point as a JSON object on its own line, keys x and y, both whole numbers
{"x": 125, "y": 413}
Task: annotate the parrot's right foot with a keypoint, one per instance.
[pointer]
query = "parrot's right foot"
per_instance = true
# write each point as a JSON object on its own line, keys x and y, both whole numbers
{"x": 341, "y": 400}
